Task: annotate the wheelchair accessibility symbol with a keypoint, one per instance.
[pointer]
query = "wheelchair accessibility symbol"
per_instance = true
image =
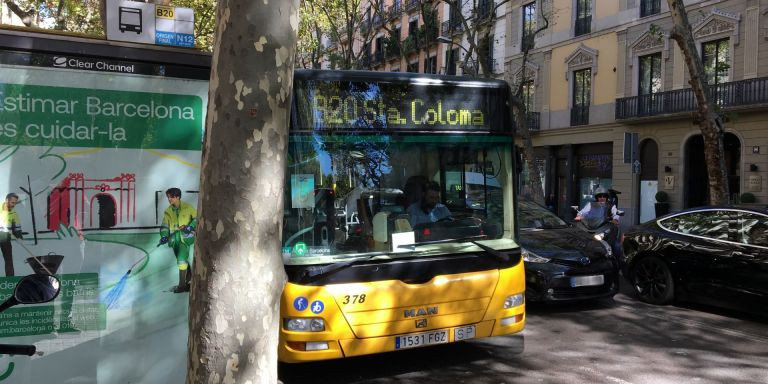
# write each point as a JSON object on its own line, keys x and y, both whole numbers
{"x": 317, "y": 307}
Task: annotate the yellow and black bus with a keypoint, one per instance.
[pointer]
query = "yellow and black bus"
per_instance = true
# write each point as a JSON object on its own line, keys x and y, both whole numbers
{"x": 399, "y": 220}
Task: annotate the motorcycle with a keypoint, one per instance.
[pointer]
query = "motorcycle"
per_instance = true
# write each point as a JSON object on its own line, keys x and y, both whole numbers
{"x": 598, "y": 223}
{"x": 32, "y": 289}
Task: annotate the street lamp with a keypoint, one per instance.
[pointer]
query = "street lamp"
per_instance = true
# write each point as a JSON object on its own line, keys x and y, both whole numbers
{"x": 450, "y": 43}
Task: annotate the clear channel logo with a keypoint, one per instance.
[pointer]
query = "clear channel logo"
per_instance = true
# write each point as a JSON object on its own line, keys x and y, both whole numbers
{"x": 60, "y": 61}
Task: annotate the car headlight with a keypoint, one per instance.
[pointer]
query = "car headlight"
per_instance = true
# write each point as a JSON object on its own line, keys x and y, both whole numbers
{"x": 530, "y": 257}
{"x": 599, "y": 236}
{"x": 304, "y": 324}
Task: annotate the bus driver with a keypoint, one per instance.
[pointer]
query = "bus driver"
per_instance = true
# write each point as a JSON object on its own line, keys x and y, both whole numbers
{"x": 428, "y": 209}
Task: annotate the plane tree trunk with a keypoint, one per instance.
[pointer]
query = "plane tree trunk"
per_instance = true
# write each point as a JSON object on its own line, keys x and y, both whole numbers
{"x": 238, "y": 272}
{"x": 709, "y": 121}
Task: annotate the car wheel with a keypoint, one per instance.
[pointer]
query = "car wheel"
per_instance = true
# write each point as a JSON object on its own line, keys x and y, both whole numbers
{"x": 652, "y": 281}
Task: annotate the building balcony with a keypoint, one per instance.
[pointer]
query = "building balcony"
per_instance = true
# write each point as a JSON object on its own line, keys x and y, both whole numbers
{"x": 579, "y": 115}
{"x": 485, "y": 10}
{"x": 729, "y": 95}
{"x": 533, "y": 121}
{"x": 378, "y": 19}
{"x": 451, "y": 27}
{"x": 395, "y": 10}
{"x": 393, "y": 52}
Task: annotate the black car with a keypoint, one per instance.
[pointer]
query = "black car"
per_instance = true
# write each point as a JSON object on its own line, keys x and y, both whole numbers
{"x": 712, "y": 255}
{"x": 562, "y": 262}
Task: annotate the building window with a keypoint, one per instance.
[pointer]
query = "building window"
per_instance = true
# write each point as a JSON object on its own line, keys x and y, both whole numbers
{"x": 450, "y": 61}
{"x": 715, "y": 55}
{"x": 430, "y": 64}
{"x": 529, "y": 25}
{"x": 583, "y": 17}
{"x": 412, "y": 67}
{"x": 484, "y": 8}
{"x": 489, "y": 55}
{"x": 582, "y": 89}
{"x": 528, "y": 94}
{"x": 649, "y": 83}
{"x": 649, "y": 74}
{"x": 413, "y": 27}
{"x": 649, "y": 7}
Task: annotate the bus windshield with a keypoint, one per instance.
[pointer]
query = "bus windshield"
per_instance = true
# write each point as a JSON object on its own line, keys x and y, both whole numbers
{"x": 350, "y": 195}
{"x": 387, "y": 165}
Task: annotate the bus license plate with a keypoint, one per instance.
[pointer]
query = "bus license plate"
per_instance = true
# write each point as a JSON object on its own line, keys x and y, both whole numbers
{"x": 464, "y": 333}
{"x": 586, "y": 281}
{"x": 421, "y": 339}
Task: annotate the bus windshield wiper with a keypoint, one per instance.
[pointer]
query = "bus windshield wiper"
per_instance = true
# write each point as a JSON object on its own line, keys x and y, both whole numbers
{"x": 472, "y": 239}
{"x": 315, "y": 272}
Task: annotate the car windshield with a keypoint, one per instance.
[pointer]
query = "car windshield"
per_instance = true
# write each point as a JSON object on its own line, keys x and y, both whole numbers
{"x": 534, "y": 216}
{"x": 350, "y": 195}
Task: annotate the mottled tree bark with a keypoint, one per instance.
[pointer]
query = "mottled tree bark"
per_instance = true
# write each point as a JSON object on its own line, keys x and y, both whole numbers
{"x": 238, "y": 272}
{"x": 709, "y": 121}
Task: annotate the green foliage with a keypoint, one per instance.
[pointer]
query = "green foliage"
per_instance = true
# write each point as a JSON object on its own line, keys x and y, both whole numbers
{"x": 409, "y": 45}
{"x": 662, "y": 197}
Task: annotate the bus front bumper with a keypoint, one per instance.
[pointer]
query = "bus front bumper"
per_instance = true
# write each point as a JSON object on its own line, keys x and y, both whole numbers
{"x": 293, "y": 347}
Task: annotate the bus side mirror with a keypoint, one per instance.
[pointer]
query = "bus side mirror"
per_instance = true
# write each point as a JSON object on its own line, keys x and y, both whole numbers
{"x": 36, "y": 289}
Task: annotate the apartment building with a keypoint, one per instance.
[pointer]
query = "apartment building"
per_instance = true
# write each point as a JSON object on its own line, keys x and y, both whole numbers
{"x": 426, "y": 36}
{"x": 605, "y": 69}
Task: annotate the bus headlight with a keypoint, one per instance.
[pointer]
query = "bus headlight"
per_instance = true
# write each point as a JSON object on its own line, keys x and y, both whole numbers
{"x": 530, "y": 257}
{"x": 303, "y": 324}
{"x": 514, "y": 301}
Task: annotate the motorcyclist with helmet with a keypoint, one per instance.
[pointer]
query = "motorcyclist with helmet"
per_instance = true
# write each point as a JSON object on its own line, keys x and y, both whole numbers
{"x": 601, "y": 201}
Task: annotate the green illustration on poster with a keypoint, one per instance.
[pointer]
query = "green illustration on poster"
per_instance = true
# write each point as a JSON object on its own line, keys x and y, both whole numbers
{"x": 90, "y": 156}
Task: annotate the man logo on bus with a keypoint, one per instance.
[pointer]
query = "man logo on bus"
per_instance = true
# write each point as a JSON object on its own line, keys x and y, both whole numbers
{"x": 317, "y": 307}
{"x": 300, "y": 303}
{"x": 420, "y": 312}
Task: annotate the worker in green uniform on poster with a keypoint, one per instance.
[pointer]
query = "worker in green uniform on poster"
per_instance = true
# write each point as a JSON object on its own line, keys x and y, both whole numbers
{"x": 178, "y": 231}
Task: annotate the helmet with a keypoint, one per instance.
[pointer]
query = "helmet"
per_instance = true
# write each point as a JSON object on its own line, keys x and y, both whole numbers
{"x": 601, "y": 191}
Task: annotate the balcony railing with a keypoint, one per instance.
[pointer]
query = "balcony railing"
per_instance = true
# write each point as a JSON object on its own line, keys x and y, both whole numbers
{"x": 378, "y": 19}
{"x": 451, "y": 27}
{"x": 485, "y": 10}
{"x": 532, "y": 121}
{"x": 393, "y": 52}
{"x": 726, "y": 95}
{"x": 579, "y": 115}
{"x": 395, "y": 10}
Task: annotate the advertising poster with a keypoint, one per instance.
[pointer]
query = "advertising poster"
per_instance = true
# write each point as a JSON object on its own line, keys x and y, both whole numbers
{"x": 90, "y": 156}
